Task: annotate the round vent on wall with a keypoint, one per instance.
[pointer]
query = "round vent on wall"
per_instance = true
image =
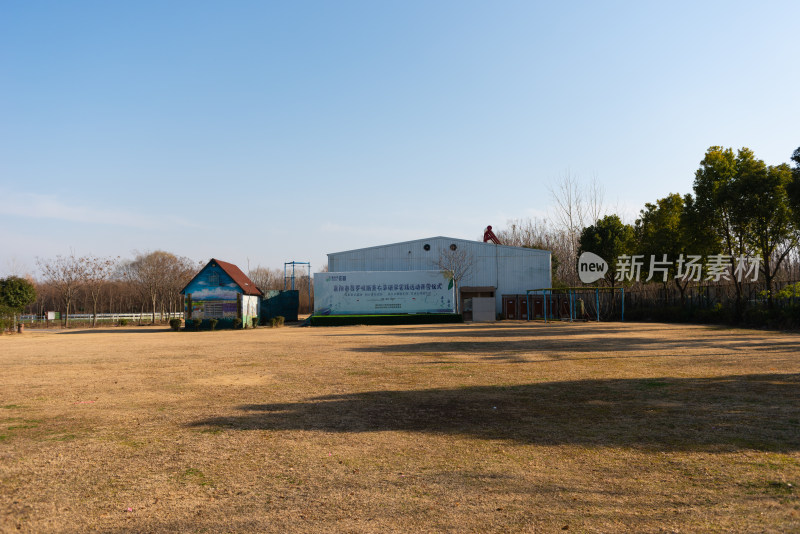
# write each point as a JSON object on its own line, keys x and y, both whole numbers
{"x": 426, "y": 246}
{"x": 453, "y": 246}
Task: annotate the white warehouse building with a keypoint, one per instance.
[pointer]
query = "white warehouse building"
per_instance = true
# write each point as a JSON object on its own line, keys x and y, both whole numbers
{"x": 502, "y": 272}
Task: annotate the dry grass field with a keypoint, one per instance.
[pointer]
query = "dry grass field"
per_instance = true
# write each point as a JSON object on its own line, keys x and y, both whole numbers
{"x": 512, "y": 427}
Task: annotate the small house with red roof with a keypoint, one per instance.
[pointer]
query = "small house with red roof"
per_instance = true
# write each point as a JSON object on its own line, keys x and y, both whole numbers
{"x": 223, "y": 292}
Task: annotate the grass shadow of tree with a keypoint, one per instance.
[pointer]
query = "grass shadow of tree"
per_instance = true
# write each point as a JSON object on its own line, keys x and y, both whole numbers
{"x": 521, "y": 350}
{"x": 118, "y": 330}
{"x": 760, "y": 412}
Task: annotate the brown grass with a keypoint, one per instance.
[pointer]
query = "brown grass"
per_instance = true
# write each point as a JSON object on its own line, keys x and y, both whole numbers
{"x": 459, "y": 428}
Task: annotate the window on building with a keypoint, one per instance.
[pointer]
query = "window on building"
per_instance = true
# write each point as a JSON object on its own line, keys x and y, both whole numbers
{"x": 213, "y": 309}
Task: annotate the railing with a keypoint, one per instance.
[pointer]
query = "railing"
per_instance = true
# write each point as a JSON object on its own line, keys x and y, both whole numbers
{"x": 705, "y": 295}
{"x": 105, "y": 317}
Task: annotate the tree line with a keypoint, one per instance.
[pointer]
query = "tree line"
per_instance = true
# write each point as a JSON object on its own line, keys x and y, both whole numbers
{"x": 150, "y": 282}
{"x": 739, "y": 207}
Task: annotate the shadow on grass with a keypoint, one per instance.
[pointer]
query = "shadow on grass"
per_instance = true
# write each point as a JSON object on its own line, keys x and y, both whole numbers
{"x": 144, "y": 329}
{"x": 538, "y": 351}
{"x": 720, "y": 414}
{"x": 501, "y": 329}
{"x": 567, "y": 339}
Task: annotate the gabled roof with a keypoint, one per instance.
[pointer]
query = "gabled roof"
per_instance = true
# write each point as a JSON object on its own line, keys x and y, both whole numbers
{"x": 235, "y": 273}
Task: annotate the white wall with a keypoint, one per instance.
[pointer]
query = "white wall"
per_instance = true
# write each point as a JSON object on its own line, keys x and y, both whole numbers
{"x": 483, "y": 310}
{"x": 511, "y": 270}
{"x": 250, "y": 307}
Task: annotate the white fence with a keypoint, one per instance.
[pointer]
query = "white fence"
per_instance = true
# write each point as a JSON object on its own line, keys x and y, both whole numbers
{"x": 84, "y": 317}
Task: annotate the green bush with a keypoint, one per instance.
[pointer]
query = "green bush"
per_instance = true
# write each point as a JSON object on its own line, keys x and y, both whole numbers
{"x": 418, "y": 318}
{"x": 276, "y": 321}
{"x": 792, "y": 315}
{"x": 212, "y": 323}
{"x": 123, "y": 322}
{"x": 196, "y": 324}
{"x": 237, "y": 323}
{"x": 254, "y": 320}
{"x": 757, "y": 315}
{"x": 6, "y": 318}
{"x": 16, "y": 293}
{"x": 790, "y": 291}
{"x": 175, "y": 324}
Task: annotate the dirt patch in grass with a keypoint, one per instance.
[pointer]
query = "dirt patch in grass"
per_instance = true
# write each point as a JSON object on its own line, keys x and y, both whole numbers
{"x": 499, "y": 428}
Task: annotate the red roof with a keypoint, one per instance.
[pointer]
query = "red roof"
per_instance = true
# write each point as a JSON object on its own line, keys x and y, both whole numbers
{"x": 241, "y": 279}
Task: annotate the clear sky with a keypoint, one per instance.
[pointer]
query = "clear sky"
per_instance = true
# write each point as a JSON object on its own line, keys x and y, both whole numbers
{"x": 273, "y": 132}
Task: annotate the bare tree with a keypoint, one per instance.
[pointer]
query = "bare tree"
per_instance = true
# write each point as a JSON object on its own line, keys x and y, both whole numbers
{"x": 541, "y": 234}
{"x": 575, "y": 206}
{"x": 305, "y": 287}
{"x": 16, "y": 268}
{"x": 178, "y": 273}
{"x": 595, "y": 201}
{"x": 457, "y": 264}
{"x": 530, "y": 233}
{"x": 98, "y": 273}
{"x": 266, "y": 279}
{"x": 66, "y": 274}
{"x": 567, "y": 195}
{"x": 151, "y": 273}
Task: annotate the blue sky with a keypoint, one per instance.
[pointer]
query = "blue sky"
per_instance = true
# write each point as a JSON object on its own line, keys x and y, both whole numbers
{"x": 273, "y": 132}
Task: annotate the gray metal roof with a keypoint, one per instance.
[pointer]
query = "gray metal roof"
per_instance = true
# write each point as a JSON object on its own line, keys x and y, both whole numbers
{"x": 457, "y": 239}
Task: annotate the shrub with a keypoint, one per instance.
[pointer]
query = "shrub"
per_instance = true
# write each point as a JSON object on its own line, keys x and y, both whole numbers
{"x": 757, "y": 316}
{"x": 123, "y": 322}
{"x": 254, "y": 320}
{"x": 790, "y": 291}
{"x": 6, "y": 318}
{"x": 16, "y": 293}
{"x": 276, "y": 321}
{"x": 792, "y": 315}
{"x": 213, "y": 323}
{"x": 418, "y": 318}
{"x": 237, "y": 323}
{"x": 175, "y": 324}
{"x": 196, "y": 324}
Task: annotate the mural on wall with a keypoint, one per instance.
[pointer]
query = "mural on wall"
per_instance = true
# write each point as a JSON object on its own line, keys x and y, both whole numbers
{"x": 212, "y": 295}
{"x": 213, "y": 309}
{"x": 250, "y": 305}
